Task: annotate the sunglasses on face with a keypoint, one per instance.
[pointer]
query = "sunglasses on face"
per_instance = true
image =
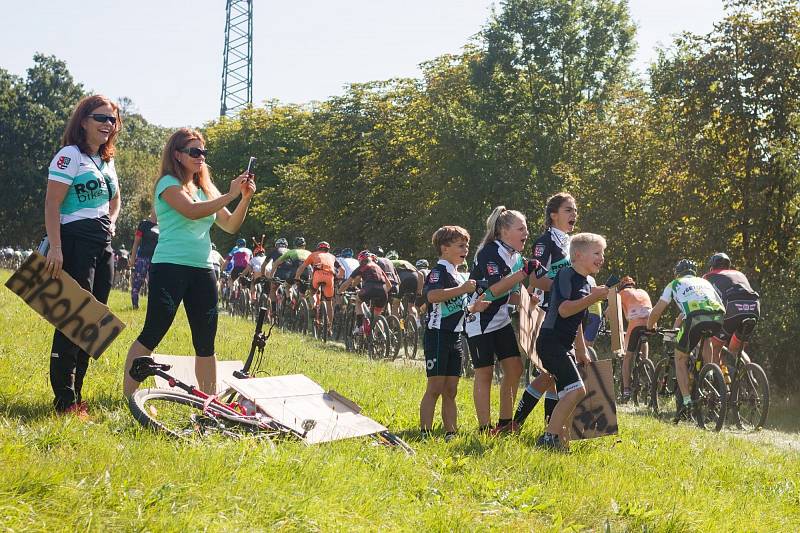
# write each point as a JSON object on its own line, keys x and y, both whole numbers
{"x": 102, "y": 117}
{"x": 194, "y": 152}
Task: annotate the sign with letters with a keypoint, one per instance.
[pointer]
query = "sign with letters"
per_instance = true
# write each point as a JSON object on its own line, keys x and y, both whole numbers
{"x": 615, "y": 321}
{"x": 528, "y": 315}
{"x": 595, "y": 415}
{"x": 66, "y": 305}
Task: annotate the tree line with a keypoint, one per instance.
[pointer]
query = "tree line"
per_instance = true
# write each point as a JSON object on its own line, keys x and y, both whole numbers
{"x": 698, "y": 155}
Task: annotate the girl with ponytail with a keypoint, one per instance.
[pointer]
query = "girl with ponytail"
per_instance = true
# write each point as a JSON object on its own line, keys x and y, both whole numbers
{"x": 499, "y": 268}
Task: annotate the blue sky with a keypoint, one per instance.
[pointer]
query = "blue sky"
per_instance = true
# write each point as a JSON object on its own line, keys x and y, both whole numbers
{"x": 167, "y": 55}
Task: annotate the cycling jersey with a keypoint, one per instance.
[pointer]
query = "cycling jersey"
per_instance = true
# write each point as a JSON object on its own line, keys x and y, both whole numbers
{"x": 492, "y": 263}
{"x": 84, "y": 212}
{"x": 388, "y": 268}
{"x": 635, "y": 303}
{"x": 449, "y": 315}
{"x": 731, "y": 284}
{"x": 348, "y": 264}
{"x": 324, "y": 261}
{"x": 551, "y": 249}
{"x": 216, "y": 258}
{"x": 276, "y": 254}
{"x": 240, "y": 257}
{"x": 148, "y": 235}
{"x": 256, "y": 262}
{"x": 294, "y": 257}
{"x": 402, "y": 264}
{"x": 692, "y": 295}
{"x": 568, "y": 285}
{"x": 371, "y": 274}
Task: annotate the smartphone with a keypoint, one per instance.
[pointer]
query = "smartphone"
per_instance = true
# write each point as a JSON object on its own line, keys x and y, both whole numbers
{"x": 250, "y": 165}
{"x": 612, "y": 280}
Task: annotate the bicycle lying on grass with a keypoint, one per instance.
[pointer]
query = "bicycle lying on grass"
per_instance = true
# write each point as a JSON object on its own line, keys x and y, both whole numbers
{"x": 188, "y": 411}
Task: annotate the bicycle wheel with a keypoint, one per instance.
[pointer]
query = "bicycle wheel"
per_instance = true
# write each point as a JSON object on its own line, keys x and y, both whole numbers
{"x": 303, "y": 316}
{"x": 323, "y": 323}
{"x": 379, "y": 336}
{"x": 662, "y": 390}
{"x": 710, "y": 398}
{"x": 643, "y": 383}
{"x": 750, "y": 398}
{"x": 395, "y": 336}
{"x": 181, "y": 415}
{"x": 410, "y": 337}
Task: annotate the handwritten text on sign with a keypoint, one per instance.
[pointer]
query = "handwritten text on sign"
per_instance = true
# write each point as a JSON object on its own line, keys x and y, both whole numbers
{"x": 596, "y": 414}
{"x": 65, "y": 304}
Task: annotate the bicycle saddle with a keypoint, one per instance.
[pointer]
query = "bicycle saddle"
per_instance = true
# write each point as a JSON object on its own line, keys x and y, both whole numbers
{"x": 144, "y": 367}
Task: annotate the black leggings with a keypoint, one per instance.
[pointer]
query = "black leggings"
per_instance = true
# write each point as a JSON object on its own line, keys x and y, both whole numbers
{"x": 90, "y": 264}
{"x": 197, "y": 288}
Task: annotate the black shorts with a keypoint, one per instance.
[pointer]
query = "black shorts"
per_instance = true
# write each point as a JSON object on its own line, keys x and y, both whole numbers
{"x": 442, "y": 353}
{"x": 731, "y": 324}
{"x": 633, "y": 342}
{"x": 500, "y": 344}
{"x": 559, "y": 360}
{"x": 170, "y": 285}
{"x": 373, "y": 295}
{"x": 235, "y": 272}
{"x": 408, "y": 283}
{"x": 693, "y": 328}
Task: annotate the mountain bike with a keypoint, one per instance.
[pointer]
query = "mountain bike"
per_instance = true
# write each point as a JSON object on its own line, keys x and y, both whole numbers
{"x": 748, "y": 386}
{"x": 184, "y": 411}
{"x": 706, "y": 386}
{"x": 403, "y": 328}
{"x": 643, "y": 374}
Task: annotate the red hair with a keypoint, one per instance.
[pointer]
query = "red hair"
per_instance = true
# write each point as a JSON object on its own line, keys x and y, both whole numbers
{"x": 74, "y": 134}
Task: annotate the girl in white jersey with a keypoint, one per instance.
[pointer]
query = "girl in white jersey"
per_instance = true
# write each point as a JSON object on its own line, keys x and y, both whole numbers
{"x": 81, "y": 208}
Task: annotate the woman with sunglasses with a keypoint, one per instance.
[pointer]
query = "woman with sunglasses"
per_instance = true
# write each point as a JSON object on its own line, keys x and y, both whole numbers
{"x": 186, "y": 204}
{"x": 81, "y": 207}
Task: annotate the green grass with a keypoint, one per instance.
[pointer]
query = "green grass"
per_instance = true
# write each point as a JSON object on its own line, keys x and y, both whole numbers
{"x": 110, "y": 474}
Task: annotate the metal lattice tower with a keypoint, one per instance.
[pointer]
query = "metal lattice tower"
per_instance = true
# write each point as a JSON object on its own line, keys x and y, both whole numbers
{"x": 237, "y": 59}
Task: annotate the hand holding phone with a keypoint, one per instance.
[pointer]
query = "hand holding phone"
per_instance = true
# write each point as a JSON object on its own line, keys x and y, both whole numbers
{"x": 250, "y": 165}
{"x": 612, "y": 280}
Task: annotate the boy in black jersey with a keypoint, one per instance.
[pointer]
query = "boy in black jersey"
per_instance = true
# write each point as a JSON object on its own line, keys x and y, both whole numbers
{"x": 560, "y": 342}
{"x": 445, "y": 290}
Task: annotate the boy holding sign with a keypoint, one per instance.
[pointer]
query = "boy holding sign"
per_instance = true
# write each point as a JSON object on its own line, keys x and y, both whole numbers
{"x": 560, "y": 343}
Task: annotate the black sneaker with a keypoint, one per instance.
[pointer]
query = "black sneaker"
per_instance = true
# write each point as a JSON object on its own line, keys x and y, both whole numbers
{"x": 685, "y": 413}
{"x": 450, "y": 435}
{"x": 626, "y": 396}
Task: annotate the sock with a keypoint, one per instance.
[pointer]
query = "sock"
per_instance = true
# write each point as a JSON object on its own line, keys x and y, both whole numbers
{"x": 530, "y": 397}
{"x": 503, "y": 422}
{"x": 687, "y": 399}
{"x": 549, "y": 407}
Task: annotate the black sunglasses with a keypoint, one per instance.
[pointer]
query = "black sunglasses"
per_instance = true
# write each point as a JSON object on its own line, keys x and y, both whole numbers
{"x": 194, "y": 152}
{"x": 102, "y": 117}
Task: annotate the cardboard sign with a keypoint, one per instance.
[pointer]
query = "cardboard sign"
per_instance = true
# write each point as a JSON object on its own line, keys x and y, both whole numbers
{"x": 528, "y": 315}
{"x": 596, "y": 414}
{"x": 296, "y": 400}
{"x": 615, "y": 321}
{"x": 66, "y": 305}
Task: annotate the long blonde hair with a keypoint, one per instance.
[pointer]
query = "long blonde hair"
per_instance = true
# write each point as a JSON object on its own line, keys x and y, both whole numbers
{"x": 170, "y": 164}
{"x": 499, "y": 219}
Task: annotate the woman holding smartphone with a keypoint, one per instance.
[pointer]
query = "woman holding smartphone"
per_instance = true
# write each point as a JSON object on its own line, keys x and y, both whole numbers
{"x": 186, "y": 204}
{"x": 81, "y": 207}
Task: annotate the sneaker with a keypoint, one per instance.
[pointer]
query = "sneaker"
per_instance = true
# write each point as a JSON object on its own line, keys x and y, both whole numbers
{"x": 511, "y": 427}
{"x": 450, "y": 435}
{"x": 684, "y": 413}
{"x": 550, "y": 442}
{"x": 626, "y": 396}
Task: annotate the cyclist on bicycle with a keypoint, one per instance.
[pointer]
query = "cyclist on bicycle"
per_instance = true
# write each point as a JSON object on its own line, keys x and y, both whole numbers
{"x": 323, "y": 264}
{"x": 254, "y": 267}
{"x": 121, "y": 262}
{"x": 286, "y": 265}
{"x": 346, "y": 264}
{"x": 701, "y": 313}
{"x": 239, "y": 257}
{"x": 740, "y": 300}
{"x": 375, "y": 285}
{"x": 636, "y": 306}
{"x": 388, "y": 268}
{"x": 411, "y": 281}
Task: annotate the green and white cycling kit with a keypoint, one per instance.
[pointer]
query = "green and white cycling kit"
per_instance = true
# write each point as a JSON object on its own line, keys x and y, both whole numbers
{"x": 92, "y": 184}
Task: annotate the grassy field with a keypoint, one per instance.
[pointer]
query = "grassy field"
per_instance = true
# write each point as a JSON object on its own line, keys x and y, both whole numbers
{"x": 110, "y": 474}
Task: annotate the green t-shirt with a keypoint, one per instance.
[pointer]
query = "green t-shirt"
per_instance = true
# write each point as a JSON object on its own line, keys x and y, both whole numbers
{"x": 182, "y": 241}
{"x": 294, "y": 256}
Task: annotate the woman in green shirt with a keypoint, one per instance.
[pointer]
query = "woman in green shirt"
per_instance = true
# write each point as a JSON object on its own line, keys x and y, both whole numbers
{"x": 187, "y": 203}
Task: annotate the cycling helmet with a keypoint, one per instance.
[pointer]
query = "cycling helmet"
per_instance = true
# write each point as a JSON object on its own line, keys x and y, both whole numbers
{"x": 347, "y": 252}
{"x": 241, "y": 243}
{"x": 323, "y": 245}
{"x": 364, "y": 255}
{"x": 685, "y": 266}
{"x": 391, "y": 255}
{"x": 719, "y": 260}
{"x": 299, "y": 242}
{"x": 421, "y": 263}
{"x": 379, "y": 251}
{"x": 281, "y": 243}
{"x": 626, "y": 282}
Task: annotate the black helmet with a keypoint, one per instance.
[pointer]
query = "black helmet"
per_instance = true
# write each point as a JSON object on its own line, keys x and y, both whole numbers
{"x": 719, "y": 260}
{"x": 299, "y": 242}
{"x": 685, "y": 266}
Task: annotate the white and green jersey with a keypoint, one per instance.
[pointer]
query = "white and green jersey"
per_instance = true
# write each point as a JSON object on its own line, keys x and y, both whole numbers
{"x": 92, "y": 184}
{"x": 692, "y": 294}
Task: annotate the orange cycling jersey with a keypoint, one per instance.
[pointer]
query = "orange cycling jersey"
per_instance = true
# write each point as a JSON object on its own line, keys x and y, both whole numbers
{"x": 636, "y": 303}
{"x": 324, "y": 261}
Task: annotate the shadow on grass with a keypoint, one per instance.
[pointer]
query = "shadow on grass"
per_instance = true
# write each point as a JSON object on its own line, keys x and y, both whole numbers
{"x": 38, "y": 410}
